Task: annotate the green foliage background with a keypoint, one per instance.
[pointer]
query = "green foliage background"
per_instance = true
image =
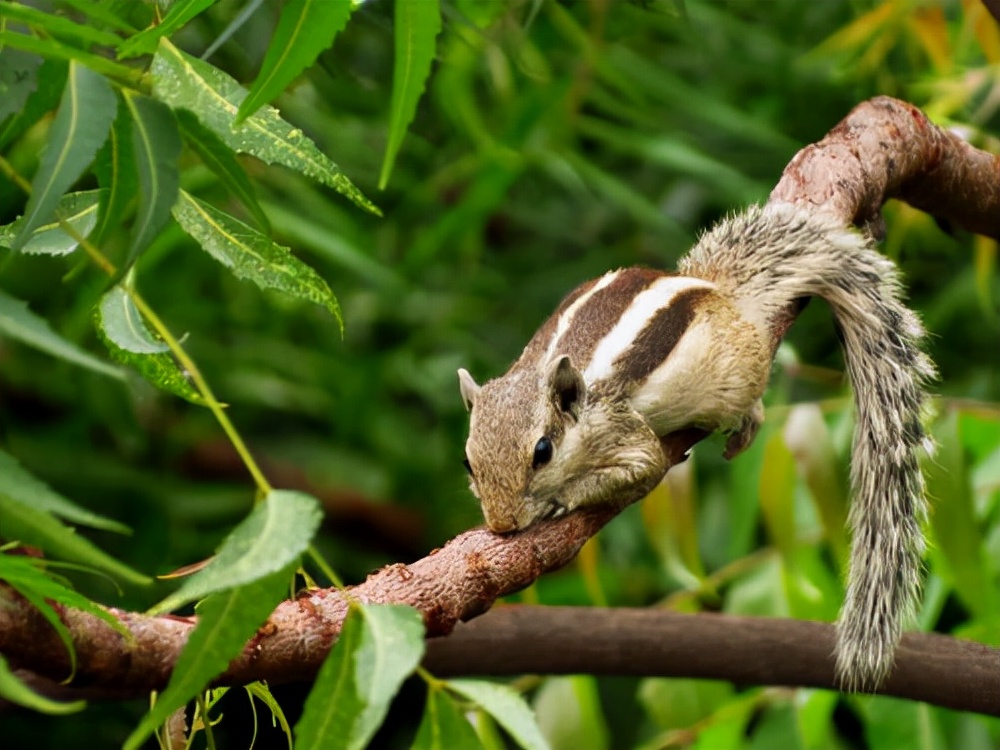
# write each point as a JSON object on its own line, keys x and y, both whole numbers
{"x": 553, "y": 141}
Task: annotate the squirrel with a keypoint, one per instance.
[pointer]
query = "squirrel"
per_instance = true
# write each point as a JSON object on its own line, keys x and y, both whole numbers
{"x": 637, "y": 354}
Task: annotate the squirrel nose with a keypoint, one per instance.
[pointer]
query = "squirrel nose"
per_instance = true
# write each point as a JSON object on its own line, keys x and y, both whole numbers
{"x": 501, "y": 524}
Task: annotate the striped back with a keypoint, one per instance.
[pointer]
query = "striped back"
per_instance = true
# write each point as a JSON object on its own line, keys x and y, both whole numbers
{"x": 620, "y": 328}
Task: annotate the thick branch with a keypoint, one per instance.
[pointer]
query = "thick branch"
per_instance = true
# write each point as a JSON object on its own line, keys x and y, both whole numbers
{"x": 885, "y": 149}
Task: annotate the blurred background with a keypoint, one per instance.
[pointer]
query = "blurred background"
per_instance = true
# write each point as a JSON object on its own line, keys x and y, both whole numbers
{"x": 555, "y": 141}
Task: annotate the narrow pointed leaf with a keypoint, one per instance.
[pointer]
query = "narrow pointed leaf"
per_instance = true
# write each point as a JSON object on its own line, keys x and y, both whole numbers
{"x": 184, "y": 82}
{"x": 39, "y": 528}
{"x": 956, "y": 532}
{"x": 15, "y": 691}
{"x": 506, "y": 706}
{"x": 56, "y": 25}
{"x": 274, "y": 535}
{"x": 18, "y": 322}
{"x": 305, "y": 28}
{"x": 226, "y": 621}
{"x": 25, "y": 573}
{"x": 100, "y": 14}
{"x": 144, "y": 43}
{"x": 221, "y": 159}
{"x": 79, "y": 210}
{"x": 250, "y": 254}
{"x": 418, "y": 23}
{"x": 9, "y": 574}
{"x": 85, "y": 114}
{"x": 378, "y": 647}
{"x": 261, "y": 692}
{"x": 18, "y": 484}
{"x": 156, "y": 145}
{"x": 444, "y": 726}
{"x": 116, "y": 173}
{"x": 121, "y": 328}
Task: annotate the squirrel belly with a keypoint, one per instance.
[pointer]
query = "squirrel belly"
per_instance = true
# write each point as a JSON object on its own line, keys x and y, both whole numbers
{"x": 637, "y": 354}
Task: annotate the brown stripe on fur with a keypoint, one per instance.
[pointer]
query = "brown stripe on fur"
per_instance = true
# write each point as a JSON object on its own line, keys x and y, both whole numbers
{"x": 595, "y": 319}
{"x": 540, "y": 341}
{"x": 655, "y": 342}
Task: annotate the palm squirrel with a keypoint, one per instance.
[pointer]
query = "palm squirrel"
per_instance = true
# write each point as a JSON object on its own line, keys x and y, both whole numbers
{"x": 637, "y": 354}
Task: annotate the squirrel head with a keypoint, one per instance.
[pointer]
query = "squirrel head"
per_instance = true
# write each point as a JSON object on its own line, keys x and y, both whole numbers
{"x": 541, "y": 444}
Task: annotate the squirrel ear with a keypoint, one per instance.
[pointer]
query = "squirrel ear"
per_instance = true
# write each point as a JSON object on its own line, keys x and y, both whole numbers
{"x": 468, "y": 387}
{"x": 566, "y": 384}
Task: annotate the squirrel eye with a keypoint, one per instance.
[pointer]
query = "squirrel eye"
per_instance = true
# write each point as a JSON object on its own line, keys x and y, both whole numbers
{"x": 543, "y": 453}
{"x": 468, "y": 466}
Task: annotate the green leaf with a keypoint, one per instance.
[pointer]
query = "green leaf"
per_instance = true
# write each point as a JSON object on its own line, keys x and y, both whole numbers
{"x": 30, "y": 525}
{"x": 777, "y": 495}
{"x": 26, "y": 573}
{"x": 80, "y": 127}
{"x": 122, "y": 323}
{"x": 956, "y": 533}
{"x": 57, "y": 25}
{"x": 9, "y": 565}
{"x": 18, "y": 322}
{"x": 121, "y": 328}
{"x": 261, "y": 692}
{"x": 15, "y": 691}
{"x": 116, "y": 173}
{"x": 221, "y": 159}
{"x": 49, "y": 48}
{"x": 19, "y": 485}
{"x": 418, "y": 23}
{"x": 79, "y": 210}
{"x": 250, "y": 254}
{"x": 305, "y": 28}
{"x": 322, "y": 238}
{"x": 444, "y": 726}
{"x": 51, "y": 80}
{"x": 273, "y": 536}
{"x": 506, "y": 706}
{"x": 678, "y": 704}
{"x": 101, "y": 14}
{"x": 157, "y": 145}
{"x": 379, "y": 645}
{"x": 144, "y": 43}
{"x": 18, "y": 80}
{"x": 226, "y": 621}
{"x": 568, "y": 711}
{"x": 184, "y": 82}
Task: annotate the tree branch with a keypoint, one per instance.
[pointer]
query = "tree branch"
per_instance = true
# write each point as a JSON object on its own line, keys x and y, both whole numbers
{"x": 510, "y": 640}
{"x": 884, "y": 148}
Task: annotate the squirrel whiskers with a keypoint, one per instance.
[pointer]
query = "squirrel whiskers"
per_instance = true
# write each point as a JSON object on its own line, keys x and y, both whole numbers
{"x": 633, "y": 356}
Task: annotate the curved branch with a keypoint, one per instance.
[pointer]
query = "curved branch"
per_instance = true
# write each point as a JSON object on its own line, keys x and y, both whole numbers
{"x": 884, "y": 148}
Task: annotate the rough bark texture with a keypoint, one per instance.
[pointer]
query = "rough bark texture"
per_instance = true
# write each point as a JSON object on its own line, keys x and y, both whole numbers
{"x": 886, "y": 149}
{"x": 883, "y": 149}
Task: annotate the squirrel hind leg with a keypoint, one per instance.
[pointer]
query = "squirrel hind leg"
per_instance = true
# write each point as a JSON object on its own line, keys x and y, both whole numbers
{"x": 739, "y": 441}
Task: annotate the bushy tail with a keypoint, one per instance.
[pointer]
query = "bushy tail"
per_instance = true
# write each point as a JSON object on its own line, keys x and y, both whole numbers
{"x": 767, "y": 258}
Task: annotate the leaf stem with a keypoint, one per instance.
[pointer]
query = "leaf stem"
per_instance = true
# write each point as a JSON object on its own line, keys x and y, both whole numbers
{"x": 324, "y": 566}
{"x": 204, "y": 389}
{"x": 101, "y": 261}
